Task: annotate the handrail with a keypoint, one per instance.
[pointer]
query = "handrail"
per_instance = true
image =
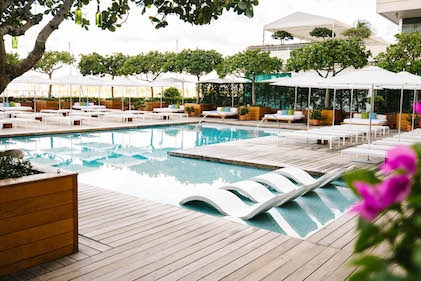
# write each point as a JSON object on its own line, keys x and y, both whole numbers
{"x": 203, "y": 118}
{"x": 263, "y": 119}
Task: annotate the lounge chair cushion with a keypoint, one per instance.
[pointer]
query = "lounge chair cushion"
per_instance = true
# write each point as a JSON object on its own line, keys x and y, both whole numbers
{"x": 290, "y": 112}
{"x": 364, "y": 115}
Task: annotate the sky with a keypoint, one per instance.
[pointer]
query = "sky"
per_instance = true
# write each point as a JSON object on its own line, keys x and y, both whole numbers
{"x": 230, "y": 34}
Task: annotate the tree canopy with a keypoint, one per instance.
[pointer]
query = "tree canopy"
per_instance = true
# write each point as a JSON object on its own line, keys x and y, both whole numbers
{"x": 282, "y": 35}
{"x": 249, "y": 64}
{"x": 52, "y": 61}
{"x": 17, "y": 17}
{"x": 360, "y": 31}
{"x": 197, "y": 63}
{"x": 405, "y": 54}
{"x": 322, "y": 32}
{"x": 330, "y": 56}
{"x": 96, "y": 64}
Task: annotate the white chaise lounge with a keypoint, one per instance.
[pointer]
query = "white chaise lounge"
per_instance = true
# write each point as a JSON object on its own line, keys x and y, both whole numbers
{"x": 362, "y": 119}
{"x": 221, "y": 112}
{"x": 285, "y": 115}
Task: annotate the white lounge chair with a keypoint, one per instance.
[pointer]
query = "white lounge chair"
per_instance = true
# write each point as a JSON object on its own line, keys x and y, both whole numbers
{"x": 302, "y": 177}
{"x": 276, "y": 181}
{"x": 229, "y": 204}
{"x": 259, "y": 193}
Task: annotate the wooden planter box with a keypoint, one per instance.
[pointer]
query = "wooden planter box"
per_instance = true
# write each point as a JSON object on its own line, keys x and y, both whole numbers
{"x": 327, "y": 115}
{"x": 150, "y": 105}
{"x": 257, "y": 112}
{"x": 198, "y": 108}
{"x": 38, "y": 219}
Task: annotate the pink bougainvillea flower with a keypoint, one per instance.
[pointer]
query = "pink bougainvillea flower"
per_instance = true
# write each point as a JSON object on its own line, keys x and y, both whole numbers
{"x": 417, "y": 107}
{"x": 400, "y": 158}
{"x": 376, "y": 198}
{"x": 370, "y": 205}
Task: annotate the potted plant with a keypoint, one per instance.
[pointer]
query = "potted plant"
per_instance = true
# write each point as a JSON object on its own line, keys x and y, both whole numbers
{"x": 39, "y": 218}
{"x": 315, "y": 117}
{"x": 243, "y": 113}
{"x": 189, "y": 110}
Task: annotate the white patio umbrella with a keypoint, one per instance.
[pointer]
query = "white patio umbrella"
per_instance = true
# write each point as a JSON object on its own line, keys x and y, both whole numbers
{"x": 170, "y": 82}
{"x": 31, "y": 79}
{"x": 370, "y": 78}
{"x": 125, "y": 82}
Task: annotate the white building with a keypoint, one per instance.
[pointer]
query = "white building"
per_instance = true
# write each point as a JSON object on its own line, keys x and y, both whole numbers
{"x": 405, "y": 13}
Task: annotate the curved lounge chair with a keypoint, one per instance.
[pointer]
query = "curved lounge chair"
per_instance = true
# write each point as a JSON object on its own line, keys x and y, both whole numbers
{"x": 276, "y": 182}
{"x": 229, "y": 204}
{"x": 257, "y": 192}
{"x": 302, "y": 177}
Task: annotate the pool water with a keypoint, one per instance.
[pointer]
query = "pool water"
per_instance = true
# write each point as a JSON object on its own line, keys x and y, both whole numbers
{"x": 136, "y": 162}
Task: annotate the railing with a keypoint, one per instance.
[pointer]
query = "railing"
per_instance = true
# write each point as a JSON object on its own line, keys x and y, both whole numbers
{"x": 280, "y": 47}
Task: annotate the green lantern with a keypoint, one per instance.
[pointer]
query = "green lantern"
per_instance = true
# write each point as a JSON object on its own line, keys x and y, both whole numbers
{"x": 98, "y": 19}
{"x": 78, "y": 16}
{"x": 14, "y": 42}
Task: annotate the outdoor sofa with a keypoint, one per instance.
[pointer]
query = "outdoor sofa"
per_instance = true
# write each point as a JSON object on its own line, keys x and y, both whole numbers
{"x": 285, "y": 115}
{"x": 14, "y": 106}
{"x": 362, "y": 119}
{"x": 87, "y": 106}
{"x": 172, "y": 108}
{"x": 222, "y": 112}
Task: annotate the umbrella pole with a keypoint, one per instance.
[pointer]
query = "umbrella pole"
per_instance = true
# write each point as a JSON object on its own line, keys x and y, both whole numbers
{"x": 413, "y": 113}
{"x": 295, "y": 98}
{"x": 334, "y": 107}
{"x": 400, "y": 115}
{"x": 350, "y": 106}
{"x": 371, "y": 112}
{"x": 308, "y": 109}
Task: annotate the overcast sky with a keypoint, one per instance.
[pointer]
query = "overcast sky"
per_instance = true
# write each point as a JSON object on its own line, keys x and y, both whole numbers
{"x": 229, "y": 34}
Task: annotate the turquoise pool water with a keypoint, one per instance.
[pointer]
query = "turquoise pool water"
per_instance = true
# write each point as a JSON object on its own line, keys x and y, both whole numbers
{"x": 136, "y": 162}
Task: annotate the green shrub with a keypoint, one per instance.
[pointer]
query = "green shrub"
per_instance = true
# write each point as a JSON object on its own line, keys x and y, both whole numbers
{"x": 11, "y": 167}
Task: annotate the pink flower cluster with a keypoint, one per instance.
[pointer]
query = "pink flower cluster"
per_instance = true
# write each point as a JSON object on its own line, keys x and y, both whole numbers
{"x": 400, "y": 165}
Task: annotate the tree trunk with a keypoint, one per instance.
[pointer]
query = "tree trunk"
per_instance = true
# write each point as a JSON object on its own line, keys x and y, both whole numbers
{"x": 151, "y": 92}
{"x": 253, "y": 93}
{"x": 50, "y": 87}
{"x": 198, "y": 90}
{"x": 327, "y": 97}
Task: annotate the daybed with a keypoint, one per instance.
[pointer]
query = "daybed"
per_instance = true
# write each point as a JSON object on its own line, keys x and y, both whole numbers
{"x": 362, "y": 119}
{"x": 172, "y": 108}
{"x": 221, "y": 112}
{"x": 285, "y": 115}
{"x": 14, "y": 106}
{"x": 87, "y": 105}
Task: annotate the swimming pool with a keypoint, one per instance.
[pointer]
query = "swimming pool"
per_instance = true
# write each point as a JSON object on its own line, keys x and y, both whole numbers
{"x": 136, "y": 162}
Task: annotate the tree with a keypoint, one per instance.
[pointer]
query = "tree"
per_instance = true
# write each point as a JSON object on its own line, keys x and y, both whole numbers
{"x": 197, "y": 63}
{"x": 322, "y": 32}
{"x": 52, "y": 61}
{"x": 405, "y": 54}
{"x": 95, "y": 64}
{"x": 360, "y": 31}
{"x": 17, "y": 17}
{"x": 330, "y": 56}
{"x": 282, "y": 35}
{"x": 249, "y": 64}
{"x": 151, "y": 65}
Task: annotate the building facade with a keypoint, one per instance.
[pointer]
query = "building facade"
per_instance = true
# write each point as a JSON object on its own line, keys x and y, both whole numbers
{"x": 405, "y": 13}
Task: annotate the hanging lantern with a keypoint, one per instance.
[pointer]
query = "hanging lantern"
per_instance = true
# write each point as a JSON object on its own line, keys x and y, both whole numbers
{"x": 78, "y": 16}
{"x": 14, "y": 42}
{"x": 98, "y": 19}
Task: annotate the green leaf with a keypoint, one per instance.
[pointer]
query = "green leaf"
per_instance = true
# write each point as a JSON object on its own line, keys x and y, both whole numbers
{"x": 360, "y": 175}
{"x": 370, "y": 236}
{"x": 242, "y": 5}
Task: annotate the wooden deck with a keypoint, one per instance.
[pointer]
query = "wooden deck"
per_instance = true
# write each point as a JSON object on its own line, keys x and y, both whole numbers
{"x": 127, "y": 238}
